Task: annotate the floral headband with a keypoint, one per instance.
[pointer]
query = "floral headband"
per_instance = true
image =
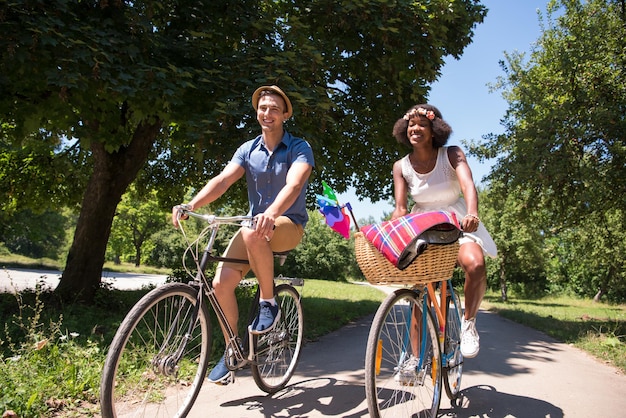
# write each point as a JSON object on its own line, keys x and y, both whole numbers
{"x": 420, "y": 111}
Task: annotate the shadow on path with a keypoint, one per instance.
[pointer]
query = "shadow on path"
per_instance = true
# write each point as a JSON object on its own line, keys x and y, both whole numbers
{"x": 486, "y": 401}
{"x": 314, "y": 397}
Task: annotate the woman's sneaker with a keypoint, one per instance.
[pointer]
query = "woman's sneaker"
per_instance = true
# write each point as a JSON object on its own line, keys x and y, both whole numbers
{"x": 220, "y": 374}
{"x": 268, "y": 317}
{"x": 470, "y": 341}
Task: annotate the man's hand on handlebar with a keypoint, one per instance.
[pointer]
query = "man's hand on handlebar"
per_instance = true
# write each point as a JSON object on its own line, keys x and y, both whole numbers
{"x": 178, "y": 213}
{"x": 265, "y": 225}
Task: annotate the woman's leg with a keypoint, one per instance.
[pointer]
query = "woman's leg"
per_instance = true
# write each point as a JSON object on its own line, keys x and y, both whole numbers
{"x": 472, "y": 261}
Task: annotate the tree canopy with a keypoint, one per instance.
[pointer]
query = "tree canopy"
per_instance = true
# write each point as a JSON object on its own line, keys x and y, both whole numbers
{"x": 561, "y": 162}
{"x": 98, "y": 94}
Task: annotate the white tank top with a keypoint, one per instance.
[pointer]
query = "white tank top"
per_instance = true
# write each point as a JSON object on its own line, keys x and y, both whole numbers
{"x": 440, "y": 190}
{"x": 437, "y": 189}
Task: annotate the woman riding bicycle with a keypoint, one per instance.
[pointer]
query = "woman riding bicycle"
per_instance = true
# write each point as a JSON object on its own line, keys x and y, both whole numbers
{"x": 435, "y": 176}
{"x": 277, "y": 167}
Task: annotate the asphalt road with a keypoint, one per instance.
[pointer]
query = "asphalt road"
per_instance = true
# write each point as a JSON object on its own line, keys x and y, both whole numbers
{"x": 519, "y": 372}
{"x": 17, "y": 279}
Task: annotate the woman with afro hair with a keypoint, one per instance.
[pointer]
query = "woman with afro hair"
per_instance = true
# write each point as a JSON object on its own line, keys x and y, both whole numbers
{"x": 438, "y": 177}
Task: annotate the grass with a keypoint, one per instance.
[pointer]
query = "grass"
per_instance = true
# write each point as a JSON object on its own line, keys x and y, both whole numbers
{"x": 330, "y": 305}
{"x": 597, "y": 328}
{"x": 51, "y": 356}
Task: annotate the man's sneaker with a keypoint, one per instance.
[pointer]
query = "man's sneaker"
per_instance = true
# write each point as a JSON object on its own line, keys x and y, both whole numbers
{"x": 220, "y": 374}
{"x": 407, "y": 372}
{"x": 470, "y": 342}
{"x": 268, "y": 317}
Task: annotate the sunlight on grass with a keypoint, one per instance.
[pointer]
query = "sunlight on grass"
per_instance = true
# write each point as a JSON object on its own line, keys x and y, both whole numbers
{"x": 330, "y": 305}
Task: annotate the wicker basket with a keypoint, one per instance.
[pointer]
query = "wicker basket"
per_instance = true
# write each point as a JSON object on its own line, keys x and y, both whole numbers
{"x": 436, "y": 263}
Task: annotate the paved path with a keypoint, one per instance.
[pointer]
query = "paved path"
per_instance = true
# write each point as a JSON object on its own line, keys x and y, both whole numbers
{"x": 12, "y": 279}
{"x": 519, "y": 373}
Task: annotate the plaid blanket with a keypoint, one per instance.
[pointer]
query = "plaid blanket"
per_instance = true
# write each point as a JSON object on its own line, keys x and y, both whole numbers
{"x": 402, "y": 240}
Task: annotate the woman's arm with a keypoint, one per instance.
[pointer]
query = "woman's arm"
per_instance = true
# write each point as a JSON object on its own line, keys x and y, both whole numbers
{"x": 400, "y": 191}
{"x": 468, "y": 188}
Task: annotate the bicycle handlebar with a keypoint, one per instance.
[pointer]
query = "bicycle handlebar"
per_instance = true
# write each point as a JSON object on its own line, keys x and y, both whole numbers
{"x": 239, "y": 220}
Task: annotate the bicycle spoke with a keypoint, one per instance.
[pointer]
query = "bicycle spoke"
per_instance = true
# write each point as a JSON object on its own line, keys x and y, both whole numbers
{"x": 278, "y": 351}
{"x": 157, "y": 359}
{"x": 453, "y": 359}
{"x": 403, "y": 373}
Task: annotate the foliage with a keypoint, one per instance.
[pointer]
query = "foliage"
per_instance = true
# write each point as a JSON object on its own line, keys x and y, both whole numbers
{"x": 591, "y": 259}
{"x": 43, "y": 368}
{"x": 99, "y": 93}
{"x": 32, "y": 234}
{"x": 560, "y": 165}
{"x": 166, "y": 248}
{"x": 521, "y": 257}
{"x": 137, "y": 218}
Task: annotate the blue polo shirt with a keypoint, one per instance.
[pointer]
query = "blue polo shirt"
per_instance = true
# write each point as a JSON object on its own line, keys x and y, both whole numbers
{"x": 266, "y": 173}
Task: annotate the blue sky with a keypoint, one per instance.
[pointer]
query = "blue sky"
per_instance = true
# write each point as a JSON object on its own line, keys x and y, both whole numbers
{"x": 462, "y": 93}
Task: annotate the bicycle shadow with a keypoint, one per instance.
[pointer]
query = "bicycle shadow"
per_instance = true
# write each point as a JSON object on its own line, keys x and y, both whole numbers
{"x": 486, "y": 401}
{"x": 313, "y": 397}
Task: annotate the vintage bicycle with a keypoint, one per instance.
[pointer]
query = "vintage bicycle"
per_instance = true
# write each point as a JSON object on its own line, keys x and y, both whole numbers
{"x": 414, "y": 346}
{"x": 158, "y": 359}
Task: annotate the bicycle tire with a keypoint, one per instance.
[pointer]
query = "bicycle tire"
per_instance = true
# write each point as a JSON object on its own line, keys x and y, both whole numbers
{"x": 386, "y": 351}
{"x": 140, "y": 376}
{"x": 453, "y": 359}
{"x": 278, "y": 351}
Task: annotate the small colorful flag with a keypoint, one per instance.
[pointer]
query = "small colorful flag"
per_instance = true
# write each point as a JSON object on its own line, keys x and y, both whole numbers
{"x": 335, "y": 215}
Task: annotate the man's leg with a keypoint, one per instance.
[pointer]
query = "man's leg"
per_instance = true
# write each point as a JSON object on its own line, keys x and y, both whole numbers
{"x": 285, "y": 237}
{"x": 227, "y": 277}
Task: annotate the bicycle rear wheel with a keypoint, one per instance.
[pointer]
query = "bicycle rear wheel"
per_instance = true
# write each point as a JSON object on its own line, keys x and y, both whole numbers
{"x": 403, "y": 367}
{"x": 278, "y": 351}
{"x": 452, "y": 357}
{"x": 158, "y": 358}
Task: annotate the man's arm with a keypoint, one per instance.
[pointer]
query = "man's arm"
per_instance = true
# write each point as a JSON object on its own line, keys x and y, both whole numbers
{"x": 216, "y": 187}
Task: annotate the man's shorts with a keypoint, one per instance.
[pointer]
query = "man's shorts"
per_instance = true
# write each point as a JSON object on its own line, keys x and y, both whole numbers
{"x": 287, "y": 235}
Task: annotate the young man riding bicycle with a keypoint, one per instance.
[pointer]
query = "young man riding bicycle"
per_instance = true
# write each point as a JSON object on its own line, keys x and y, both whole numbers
{"x": 277, "y": 167}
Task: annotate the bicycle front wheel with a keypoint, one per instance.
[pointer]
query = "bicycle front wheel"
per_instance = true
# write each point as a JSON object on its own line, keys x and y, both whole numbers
{"x": 452, "y": 357}
{"x": 158, "y": 358}
{"x": 402, "y": 360}
{"x": 278, "y": 351}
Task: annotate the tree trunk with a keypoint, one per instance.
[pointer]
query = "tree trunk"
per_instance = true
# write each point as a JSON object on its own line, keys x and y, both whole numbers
{"x": 503, "y": 287}
{"x": 112, "y": 174}
{"x": 138, "y": 256}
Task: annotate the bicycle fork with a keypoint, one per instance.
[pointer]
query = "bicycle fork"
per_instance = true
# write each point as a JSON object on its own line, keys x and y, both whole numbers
{"x": 167, "y": 364}
{"x": 417, "y": 325}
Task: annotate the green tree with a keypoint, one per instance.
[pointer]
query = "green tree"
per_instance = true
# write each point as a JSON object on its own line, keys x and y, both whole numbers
{"x": 520, "y": 242}
{"x": 138, "y": 217}
{"x": 563, "y": 154}
{"x": 590, "y": 260}
{"x": 93, "y": 90}
{"x": 34, "y": 234}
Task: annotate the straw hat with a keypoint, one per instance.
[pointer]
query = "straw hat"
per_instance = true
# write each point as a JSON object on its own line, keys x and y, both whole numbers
{"x": 275, "y": 89}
